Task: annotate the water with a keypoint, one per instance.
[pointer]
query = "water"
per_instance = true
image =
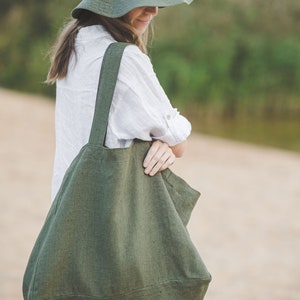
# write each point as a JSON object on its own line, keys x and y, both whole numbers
{"x": 284, "y": 134}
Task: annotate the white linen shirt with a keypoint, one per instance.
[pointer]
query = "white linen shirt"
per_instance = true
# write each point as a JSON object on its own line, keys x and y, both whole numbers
{"x": 140, "y": 108}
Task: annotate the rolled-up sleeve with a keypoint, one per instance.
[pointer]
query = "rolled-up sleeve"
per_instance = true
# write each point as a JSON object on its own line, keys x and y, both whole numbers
{"x": 178, "y": 128}
{"x": 140, "y": 108}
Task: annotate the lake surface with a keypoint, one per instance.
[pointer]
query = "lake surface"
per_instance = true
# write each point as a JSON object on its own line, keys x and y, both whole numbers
{"x": 284, "y": 134}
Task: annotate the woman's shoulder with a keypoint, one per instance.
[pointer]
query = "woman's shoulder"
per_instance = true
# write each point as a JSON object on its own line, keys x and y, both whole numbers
{"x": 135, "y": 61}
{"x": 133, "y": 51}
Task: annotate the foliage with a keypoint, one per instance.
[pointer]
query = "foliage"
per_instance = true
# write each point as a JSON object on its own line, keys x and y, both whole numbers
{"x": 29, "y": 27}
{"x": 230, "y": 57}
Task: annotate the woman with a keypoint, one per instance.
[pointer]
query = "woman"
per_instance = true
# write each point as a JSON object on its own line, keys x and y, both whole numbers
{"x": 112, "y": 232}
{"x": 140, "y": 108}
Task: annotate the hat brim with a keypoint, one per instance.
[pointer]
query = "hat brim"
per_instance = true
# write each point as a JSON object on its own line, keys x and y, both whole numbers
{"x": 119, "y": 8}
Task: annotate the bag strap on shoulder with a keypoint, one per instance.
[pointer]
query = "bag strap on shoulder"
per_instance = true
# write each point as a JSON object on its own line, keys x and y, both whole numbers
{"x": 106, "y": 87}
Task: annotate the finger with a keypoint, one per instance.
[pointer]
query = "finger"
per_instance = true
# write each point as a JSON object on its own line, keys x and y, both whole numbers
{"x": 151, "y": 152}
{"x": 164, "y": 162}
{"x": 155, "y": 152}
{"x": 156, "y": 167}
{"x": 168, "y": 163}
{"x": 158, "y": 159}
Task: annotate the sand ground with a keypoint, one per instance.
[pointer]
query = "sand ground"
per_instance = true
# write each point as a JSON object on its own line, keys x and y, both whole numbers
{"x": 246, "y": 224}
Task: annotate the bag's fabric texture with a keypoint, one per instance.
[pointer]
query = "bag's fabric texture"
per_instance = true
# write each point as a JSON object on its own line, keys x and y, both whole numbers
{"x": 113, "y": 232}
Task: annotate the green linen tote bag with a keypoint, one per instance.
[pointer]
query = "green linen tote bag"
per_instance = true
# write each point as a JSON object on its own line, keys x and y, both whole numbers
{"x": 113, "y": 232}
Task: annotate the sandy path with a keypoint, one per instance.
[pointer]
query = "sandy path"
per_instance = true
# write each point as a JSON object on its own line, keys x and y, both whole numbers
{"x": 246, "y": 224}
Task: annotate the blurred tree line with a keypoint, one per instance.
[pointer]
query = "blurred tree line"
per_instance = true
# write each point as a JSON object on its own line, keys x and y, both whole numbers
{"x": 229, "y": 57}
{"x": 233, "y": 57}
{"x": 28, "y": 30}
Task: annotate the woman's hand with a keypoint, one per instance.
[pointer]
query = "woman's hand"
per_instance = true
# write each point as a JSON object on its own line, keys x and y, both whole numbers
{"x": 159, "y": 157}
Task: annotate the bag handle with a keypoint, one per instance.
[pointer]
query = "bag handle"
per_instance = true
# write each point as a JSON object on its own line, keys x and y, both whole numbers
{"x": 106, "y": 87}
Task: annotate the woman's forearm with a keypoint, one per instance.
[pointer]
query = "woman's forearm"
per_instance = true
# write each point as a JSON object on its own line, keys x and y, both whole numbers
{"x": 179, "y": 149}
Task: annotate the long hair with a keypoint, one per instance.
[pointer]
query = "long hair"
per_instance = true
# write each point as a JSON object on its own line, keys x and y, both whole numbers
{"x": 62, "y": 50}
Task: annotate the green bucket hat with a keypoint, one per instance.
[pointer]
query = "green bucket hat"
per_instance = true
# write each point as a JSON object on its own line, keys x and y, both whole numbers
{"x": 118, "y": 8}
